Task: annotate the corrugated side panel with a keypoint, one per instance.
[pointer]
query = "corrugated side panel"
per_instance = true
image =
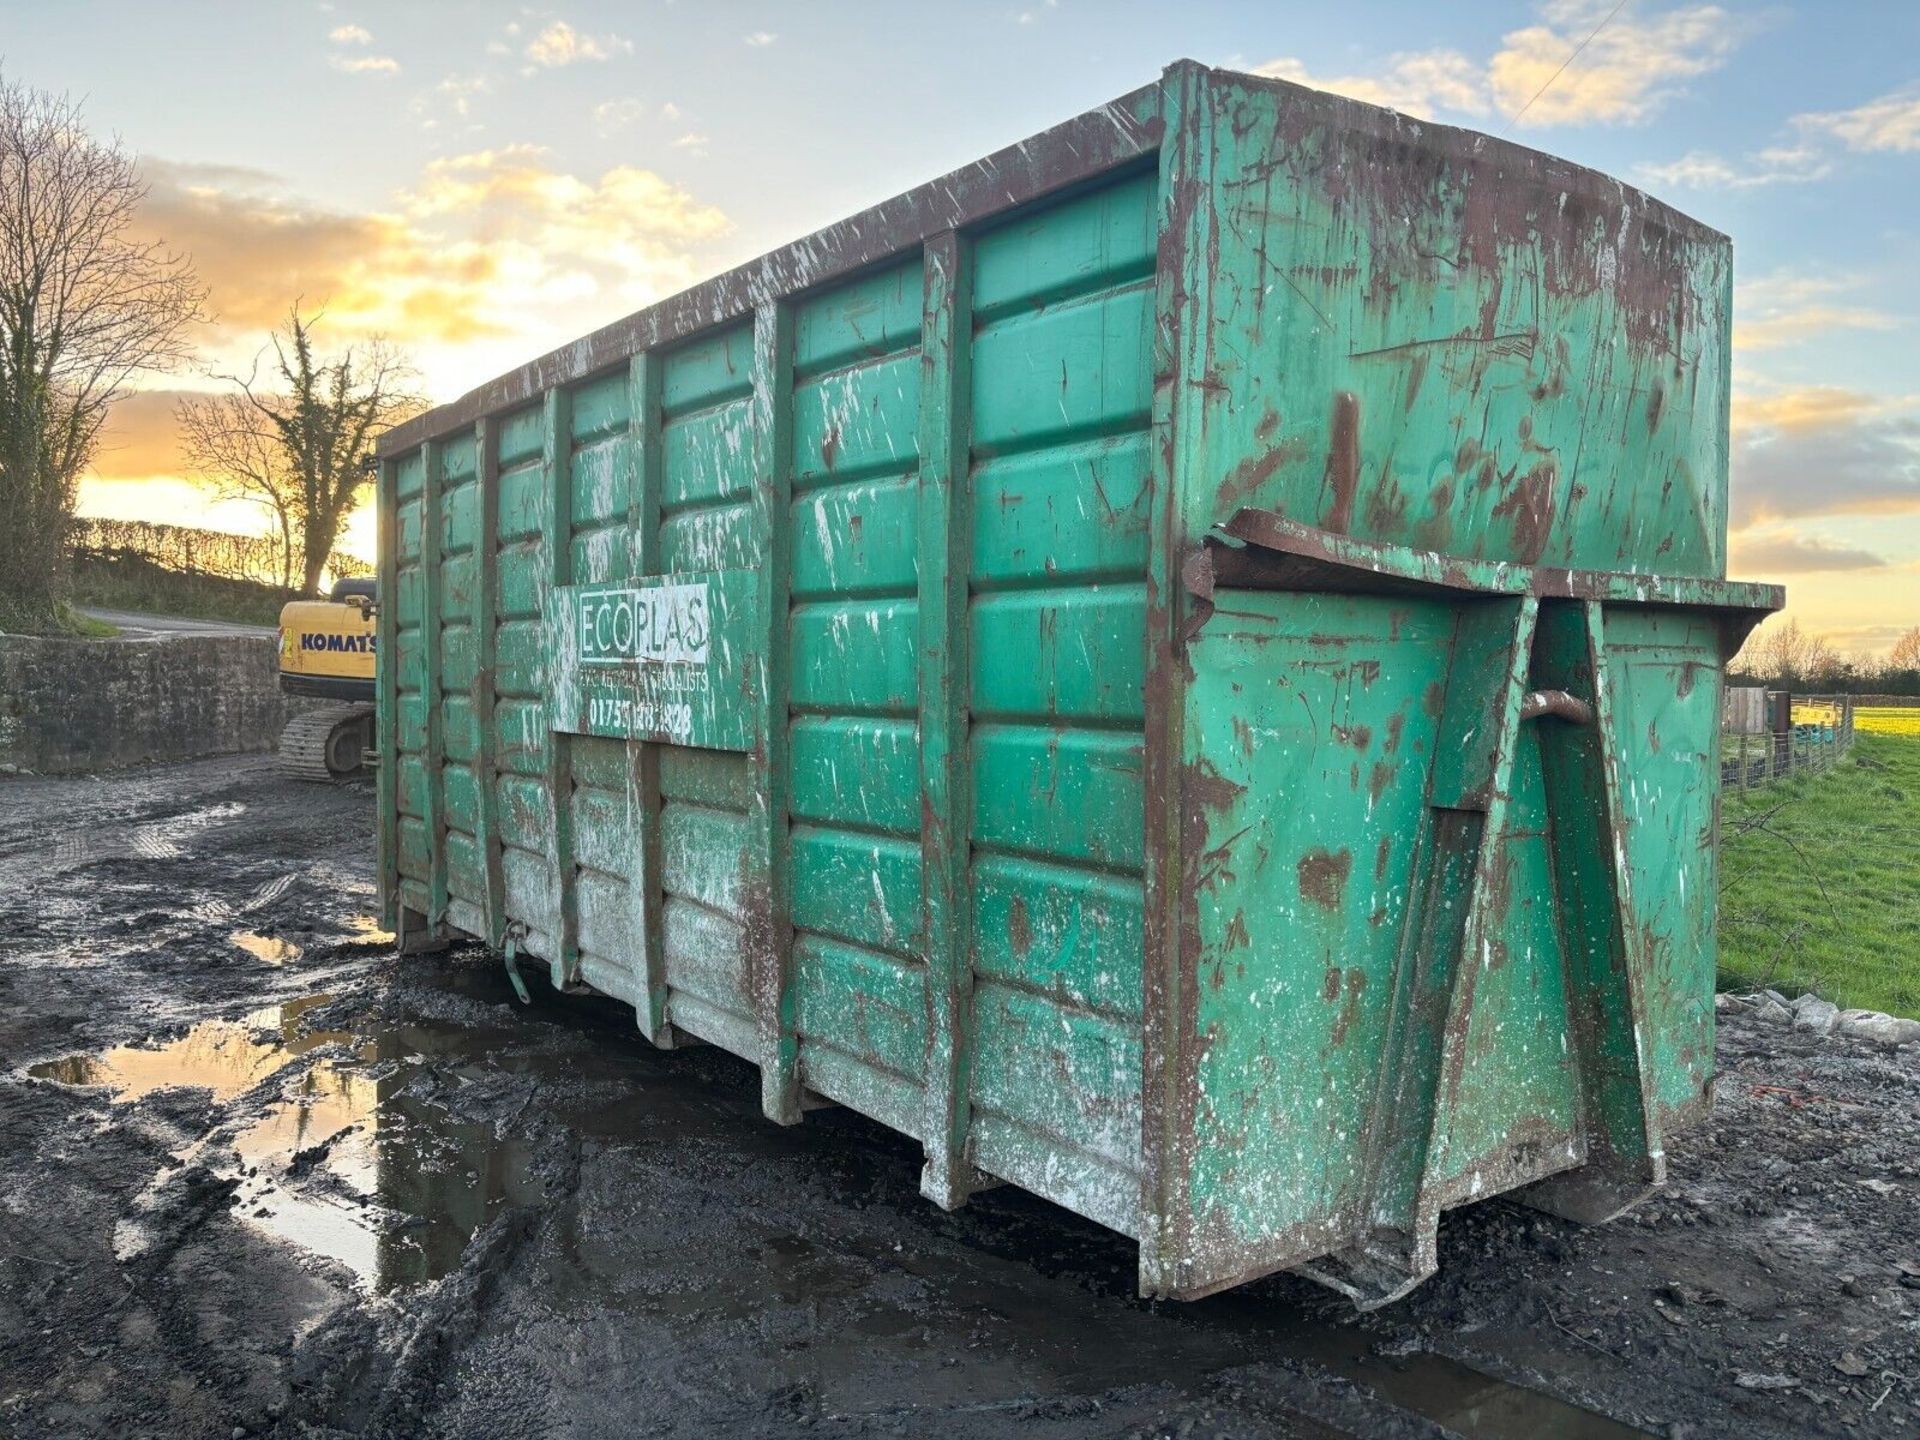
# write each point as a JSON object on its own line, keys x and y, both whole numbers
{"x": 462, "y": 870}
{"x": 1063, "y": 305}
{"x": 635, "y": 860}
{"x": 410, "y": 785}
{"x": 523, "y": 745}
{"x": 706, "y": 523}
{"x": 606, "y": 797}
{"x": 859, "y": 970}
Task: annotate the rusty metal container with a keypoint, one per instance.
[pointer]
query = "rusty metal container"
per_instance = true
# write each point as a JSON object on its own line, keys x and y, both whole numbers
{"x": 1178, "y": 665}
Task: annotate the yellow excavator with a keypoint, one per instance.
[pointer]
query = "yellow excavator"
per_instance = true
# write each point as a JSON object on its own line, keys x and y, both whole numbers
{"x": 327, "y": 653}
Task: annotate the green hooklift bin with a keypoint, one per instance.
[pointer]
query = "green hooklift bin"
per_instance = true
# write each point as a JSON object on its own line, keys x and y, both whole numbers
{"x": 1178, "y": 666}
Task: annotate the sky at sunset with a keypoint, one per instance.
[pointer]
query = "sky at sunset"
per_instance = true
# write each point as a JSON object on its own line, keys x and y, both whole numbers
{"x": 484, "y": 182}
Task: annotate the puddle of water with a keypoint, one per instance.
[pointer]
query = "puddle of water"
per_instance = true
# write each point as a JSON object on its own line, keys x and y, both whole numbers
{"x": 267, "y": 949}
{"x": 224, "y": 1056}
{"x": 389, "y": 1184}
{"x": 367, "y": 930}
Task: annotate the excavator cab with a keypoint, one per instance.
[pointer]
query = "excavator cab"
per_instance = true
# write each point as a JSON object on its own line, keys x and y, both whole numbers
{"x": 327, "y": 654}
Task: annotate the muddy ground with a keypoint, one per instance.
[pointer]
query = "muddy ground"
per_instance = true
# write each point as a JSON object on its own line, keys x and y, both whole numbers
{"x": 258, "y": 1177}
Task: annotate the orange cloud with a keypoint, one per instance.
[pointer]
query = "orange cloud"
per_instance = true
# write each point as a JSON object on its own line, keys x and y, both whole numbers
{"x": 484, "y": 246}
{"x": 258, "y": 250}
{"x": 1823, "y": 450}
{"x": 488, "y": 258}
{"x": 1809, "y": 407}
{"x": 140, "y": 438}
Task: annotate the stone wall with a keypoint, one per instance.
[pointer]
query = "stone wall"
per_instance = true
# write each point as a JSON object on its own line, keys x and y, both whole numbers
{"x": 69, "y": 705}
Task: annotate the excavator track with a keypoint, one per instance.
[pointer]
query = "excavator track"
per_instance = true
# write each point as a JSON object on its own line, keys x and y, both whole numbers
{"x": 328, "y": 742}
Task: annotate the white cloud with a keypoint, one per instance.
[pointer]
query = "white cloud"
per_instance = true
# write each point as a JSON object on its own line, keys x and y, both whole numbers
{"x": 1774, "y": 551}
{"x": 1780, "y": 309}
{"x": 1629, "y": 64}
{"x": 1421, "y": 83}
{"x": 560, "y": 44}
{"x": 1773, "y": 165}
{"x": 1890, "y": 123}
{"x": 350, "y": 35}
{"x": 670, "y": 112}
{"x": 610, "y": 116}
{"x": 1805, "y": 150}
{"x": 451, "y": 100}
{"x": 760, "y": 39}
{"x": 365, "y": 64}
{"x": 692, "y": 142}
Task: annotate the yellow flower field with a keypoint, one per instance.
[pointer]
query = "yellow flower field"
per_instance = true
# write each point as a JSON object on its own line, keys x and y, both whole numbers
{"x": 1901, "y": 720}
{"x": 1869, "y": 719}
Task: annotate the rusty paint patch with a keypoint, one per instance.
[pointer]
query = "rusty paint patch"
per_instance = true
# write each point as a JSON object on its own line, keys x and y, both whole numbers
{"x": 1396, "y": 727}
{"x": 1379, "y": 779}
{"x": 1250, "y": 474}
{"x": 1343, "y": 463}
{"x": 1356, "y": 985}
{"x": 1236, "y": 937}
{"x": 1529, "y": 506}
{"x": 1358, "y": 736}
{"x": 1019, "y": 928}
{"x": 1323, "y": 876}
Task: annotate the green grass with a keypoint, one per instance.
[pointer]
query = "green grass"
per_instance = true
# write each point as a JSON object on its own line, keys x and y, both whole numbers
{"x": 89, "y": 628}
{"x": 1820, "y": 881}
{"x": 139, "y": 585}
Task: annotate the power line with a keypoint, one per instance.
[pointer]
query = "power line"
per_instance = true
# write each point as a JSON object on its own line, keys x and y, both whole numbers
{"x": 1619, "y": 5}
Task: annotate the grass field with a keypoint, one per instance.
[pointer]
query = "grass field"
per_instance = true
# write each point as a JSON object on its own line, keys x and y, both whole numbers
{"x": 1820, "y": 875}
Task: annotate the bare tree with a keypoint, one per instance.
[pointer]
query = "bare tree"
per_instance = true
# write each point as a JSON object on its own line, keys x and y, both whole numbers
{"x": 85, "y": 306}
{"x": 1905, "y": 654}
{"x": 1783, "y": 653}
{"x": 301, "y": 443}
{"x": 232, "y": 450}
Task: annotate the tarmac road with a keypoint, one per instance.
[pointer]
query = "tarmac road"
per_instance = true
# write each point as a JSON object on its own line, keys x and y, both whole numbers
{"x": 135, "y": 626}
{"x": 258, "y": 1176}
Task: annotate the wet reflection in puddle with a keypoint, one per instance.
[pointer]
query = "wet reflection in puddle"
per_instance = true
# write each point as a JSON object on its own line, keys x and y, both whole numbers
{"x": 224, "y": 1056}
{"x": 342, "y": 1162}
{"x": 367, "y": 930}
{"x": 268, "y": 949}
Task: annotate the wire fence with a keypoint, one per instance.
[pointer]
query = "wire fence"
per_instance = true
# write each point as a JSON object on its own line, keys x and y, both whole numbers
{"x": 1769, "y": 735}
